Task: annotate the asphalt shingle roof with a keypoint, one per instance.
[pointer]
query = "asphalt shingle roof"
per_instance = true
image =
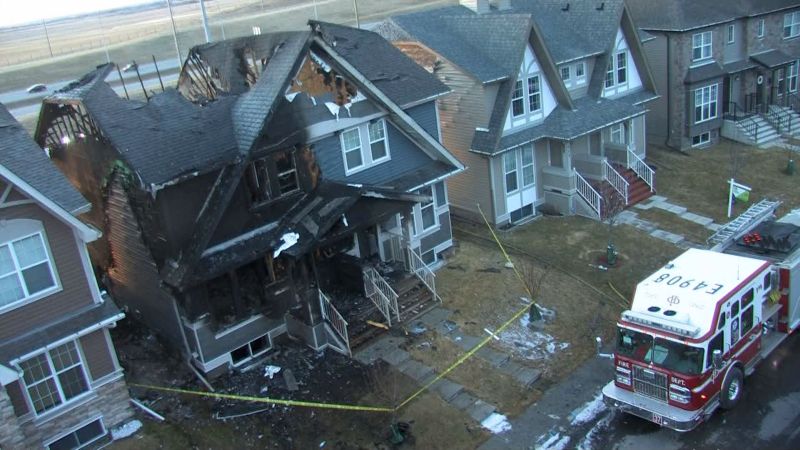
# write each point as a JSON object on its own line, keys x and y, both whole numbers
{"x": 684, "y": 15}
{"x": 391, "y": 71}
{"x": 22, "y": 156}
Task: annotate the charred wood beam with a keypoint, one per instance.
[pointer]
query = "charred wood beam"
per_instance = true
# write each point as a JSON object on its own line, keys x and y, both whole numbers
{"x": 236, "y": 293}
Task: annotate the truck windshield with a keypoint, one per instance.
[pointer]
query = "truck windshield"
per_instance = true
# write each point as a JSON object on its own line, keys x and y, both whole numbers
{"x": 670, "y": 355}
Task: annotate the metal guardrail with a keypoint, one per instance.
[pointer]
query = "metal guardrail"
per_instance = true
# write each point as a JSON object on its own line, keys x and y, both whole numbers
{"x": 587, "y": 192}
{"x": 335, "y": 319}
{"x": 617, "y": 181}
{"x": 381, "y": 293}
{"x": 743, "y": 119}
{"x": 780, "y": 119}
{"x": 418, "y": 267}
{"x": 641, "y": 169}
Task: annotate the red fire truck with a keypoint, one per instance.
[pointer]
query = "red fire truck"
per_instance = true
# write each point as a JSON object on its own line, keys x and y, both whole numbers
{"x": 701, "y": 323}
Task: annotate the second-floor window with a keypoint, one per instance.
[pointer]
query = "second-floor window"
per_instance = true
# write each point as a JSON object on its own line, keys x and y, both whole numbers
{"x": 731, "y": 34}
{"x": 364, "y": 146}
{"x": 791, "y": 25}
{"x": 25, "y": 269}
{"x": 701, "y": 46}
{"x": 705, "y": 103}
{"x": 760, "y": 29}
{"x": 565, "y": 73}
{"x": 534, "y": 94}
{"x": 54, "y": 377}
{"x": 617, "y": 72}
{"x": 271, "y": 177}
{"x": 425, "y": 215}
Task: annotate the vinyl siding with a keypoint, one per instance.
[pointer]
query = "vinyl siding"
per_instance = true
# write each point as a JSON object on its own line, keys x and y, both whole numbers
{"x": 75, "y": 293}
{"x": 17, "y": 397}
{"x": 425, "y": 116}
{"x": 98, "y": 354}
{"x": 656, "y": 51}
{"x": 443, "y": 234}
{"x": 405, "y": 157}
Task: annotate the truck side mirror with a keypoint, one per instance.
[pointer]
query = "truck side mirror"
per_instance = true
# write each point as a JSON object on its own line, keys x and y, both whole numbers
{"x": 716, "y": 358}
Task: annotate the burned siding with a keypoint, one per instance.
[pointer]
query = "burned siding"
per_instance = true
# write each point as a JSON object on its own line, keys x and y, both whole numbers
{"x": 17, "y": 397}
{"x": 98, "y": 354}
{"x": 134, "y": 277}
{"x": 74, "y": 294}
{"x": 405, "y": 157}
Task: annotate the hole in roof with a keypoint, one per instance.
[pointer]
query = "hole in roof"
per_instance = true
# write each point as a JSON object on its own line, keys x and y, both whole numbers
{"x": 669, "y": 313}
{"x": 654, "y": 309}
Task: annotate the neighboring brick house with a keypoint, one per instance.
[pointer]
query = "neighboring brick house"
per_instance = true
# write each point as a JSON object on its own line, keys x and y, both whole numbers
{"x": 548, "y": 105}
{"x": 60, "y": 383}
{"x": 277, "y": 181}
{"x": 722, "y": 68}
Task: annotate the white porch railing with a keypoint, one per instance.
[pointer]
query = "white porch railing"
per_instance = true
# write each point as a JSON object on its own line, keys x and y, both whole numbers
{"x": 587, "y": 192}
{"x": 418, "y": 267}
{"x": 616, "y": 180}
{"x": 381, "y": 293}
{"x": 335, "y": 319}
{"x": 642, "y": 170}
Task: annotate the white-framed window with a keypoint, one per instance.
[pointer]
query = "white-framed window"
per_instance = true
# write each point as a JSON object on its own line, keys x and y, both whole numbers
{"x": 760, "y": 29}
{"x": 534, "y": 94}
{"x": 54, "y": 377}
{"x": 731, "y": 34}
{"x": 80, "y": 437}
{"x": 701, "y": 46}
{"x": 510, "y": 171}
{"x": 791, "y": 76}
{"x": 26, "y": 269}
{"x": 617, "y": 73}
{"x": 528, "y": 173}
{"x": 424, "y": 214}
{"x": 364, "y": 146}
{"x": 791, "y": 25}
{"x": 705, "y": 103}
{"x": 701, "y": 139}
{"x": 617, "y": 133}
{"x": 580, "y": 71}
{"x": 517, "y": 102}
{"x": 565, "y": 73}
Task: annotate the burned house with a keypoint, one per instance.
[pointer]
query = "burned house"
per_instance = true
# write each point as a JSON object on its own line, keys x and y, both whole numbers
{"x": 280, "y": 182}
{"x": 61, "y": 385}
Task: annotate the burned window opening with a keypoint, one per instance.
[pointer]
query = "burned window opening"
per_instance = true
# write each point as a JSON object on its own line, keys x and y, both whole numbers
{"x": 272, "y": 177}
{"x": 317, "y": 78}
{"x": 241, "y": 293}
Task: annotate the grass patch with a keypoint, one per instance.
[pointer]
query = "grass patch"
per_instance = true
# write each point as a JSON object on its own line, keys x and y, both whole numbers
{"x": 675, "y": 224}
{"x": 698, "y": 179}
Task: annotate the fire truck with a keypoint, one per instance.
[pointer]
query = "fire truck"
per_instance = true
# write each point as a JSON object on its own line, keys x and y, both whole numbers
{"x": 700, "y": 324}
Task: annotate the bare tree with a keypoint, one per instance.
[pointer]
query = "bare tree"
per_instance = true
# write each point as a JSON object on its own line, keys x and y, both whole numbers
{"x": 612, "y": 203}
{"x": 533, "y": 277}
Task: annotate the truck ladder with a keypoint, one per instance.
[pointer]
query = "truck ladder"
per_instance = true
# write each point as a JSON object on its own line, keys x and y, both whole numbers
{"x": 745, "y": 222}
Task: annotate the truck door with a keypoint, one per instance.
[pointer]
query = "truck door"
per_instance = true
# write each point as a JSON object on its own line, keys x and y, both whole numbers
{"x": 735, "y": 326}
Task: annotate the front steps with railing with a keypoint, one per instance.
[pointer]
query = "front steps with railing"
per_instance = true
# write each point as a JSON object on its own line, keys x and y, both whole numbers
{"x": 790, "y": 120}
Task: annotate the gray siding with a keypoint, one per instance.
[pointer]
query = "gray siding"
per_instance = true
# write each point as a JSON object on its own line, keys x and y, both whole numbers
{"x": 425, "y": 116}
{"x": 134, "y": 277}
{"x": 733, "y": 51}
{"x": 75, "y": 293}
{"x": 405, "y": 157}
{"x": 213, "y": 345}
{"x": 98, "y": 355}
{"x": 442, "y": 235}
{"x": 656, "y": 51}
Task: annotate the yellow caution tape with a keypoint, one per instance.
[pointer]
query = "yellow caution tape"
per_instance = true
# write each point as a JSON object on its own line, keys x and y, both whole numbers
{"x": 274, "y": 401}
{"x": 340, "y": 406}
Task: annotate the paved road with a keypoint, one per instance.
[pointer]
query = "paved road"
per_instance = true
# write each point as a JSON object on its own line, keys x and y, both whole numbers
{"x": 768, "y": 417}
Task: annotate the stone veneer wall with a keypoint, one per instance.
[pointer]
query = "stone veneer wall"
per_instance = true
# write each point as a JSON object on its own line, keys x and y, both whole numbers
{"x": 112, "y": 403}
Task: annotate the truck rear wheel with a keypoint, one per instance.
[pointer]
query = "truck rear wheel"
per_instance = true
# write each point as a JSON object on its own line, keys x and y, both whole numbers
{"x": 732, "y": 389}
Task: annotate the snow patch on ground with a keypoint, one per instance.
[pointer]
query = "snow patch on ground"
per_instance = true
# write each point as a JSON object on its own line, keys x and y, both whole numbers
{"x": 126, "y": 430}
{"x": 590, "y": 410}
{"x": 496, "y": 423}
{"x": 522, "y": 341}
{"x": 556, "y": 442}
{"x": 593, "y": 434}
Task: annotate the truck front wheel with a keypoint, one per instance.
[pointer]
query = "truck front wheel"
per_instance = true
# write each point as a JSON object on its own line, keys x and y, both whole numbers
{"x": 732, "y": 388}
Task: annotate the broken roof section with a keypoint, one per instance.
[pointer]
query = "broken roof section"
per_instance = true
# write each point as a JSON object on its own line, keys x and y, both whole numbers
{"x": 22, "y": 158}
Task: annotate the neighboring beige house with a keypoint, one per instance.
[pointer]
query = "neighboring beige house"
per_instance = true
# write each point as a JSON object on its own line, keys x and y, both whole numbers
{"x": 61, "y": 386}
{"x": 546, "y": 118}
{"x": 723, "y": 69}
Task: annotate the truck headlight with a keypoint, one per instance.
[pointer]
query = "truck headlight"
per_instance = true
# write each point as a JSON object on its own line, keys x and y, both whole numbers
{"x": 623, "y": 376}
{"x": 679, "y": 394}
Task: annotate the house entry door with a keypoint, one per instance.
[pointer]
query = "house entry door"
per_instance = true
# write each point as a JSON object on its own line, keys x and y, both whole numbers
{"x": 519, "y": 182}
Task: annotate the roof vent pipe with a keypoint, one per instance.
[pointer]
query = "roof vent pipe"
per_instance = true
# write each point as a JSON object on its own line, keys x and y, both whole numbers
{"x": 477, "y": 6}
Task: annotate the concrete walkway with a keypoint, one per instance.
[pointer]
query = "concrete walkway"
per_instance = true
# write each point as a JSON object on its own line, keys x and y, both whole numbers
{"x": 657, "y": 201}
{"x": 389, "y": 349}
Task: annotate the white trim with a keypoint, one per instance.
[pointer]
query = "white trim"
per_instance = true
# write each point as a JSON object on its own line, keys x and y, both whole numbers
{"x": 8, "y": 375}
{"x": 760, "y": 27}
{"x": 48, "y": 442}
{"x": 730, "y": 31}
{"x": 438, "y": 121}
{"x": 365, "y": 146}
{"x": 703, "y": 45}
{"x": 238, "y": 326}
{"x": 111, "y": 349}
{"x": 54, "y": 375}
{"x": 712, "y": 114}
{"x": 91, "y": 280}
{"x": 86, "y": 232}
{"x": 702, "y": 143}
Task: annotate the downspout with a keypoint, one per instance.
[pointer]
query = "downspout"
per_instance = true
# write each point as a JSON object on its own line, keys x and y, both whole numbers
{"x": 188, "y": 350}
{"x": 669, "y": 97}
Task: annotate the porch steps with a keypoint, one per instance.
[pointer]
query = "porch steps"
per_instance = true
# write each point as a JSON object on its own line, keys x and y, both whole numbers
{"x": 638, "y": 190}
{"x": 766, "y": 132}
{"x": 794, "y": 122}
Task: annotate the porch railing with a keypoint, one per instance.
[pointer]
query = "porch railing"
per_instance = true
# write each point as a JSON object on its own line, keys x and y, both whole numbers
{"x": 780, "y": 119}
{"x": 418, "y": 267}
{"x": 587, "y": 192}
{"x": 617, "y": 181}
{"x": 743, "y": 120}
{"x": 642, "y": 170}
{"x": 335, "y": 319}
{"x": 381, "y": 293}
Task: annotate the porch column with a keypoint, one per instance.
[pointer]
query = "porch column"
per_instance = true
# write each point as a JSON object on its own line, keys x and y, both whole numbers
{"x": 567, "y": 157}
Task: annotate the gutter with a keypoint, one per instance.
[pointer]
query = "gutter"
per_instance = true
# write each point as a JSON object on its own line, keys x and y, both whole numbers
{"x": 438, "y": 179}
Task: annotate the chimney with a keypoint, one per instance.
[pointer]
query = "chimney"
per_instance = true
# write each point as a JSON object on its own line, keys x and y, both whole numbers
{"x": 478, "y": 6}
{"x": 503, "y": 5}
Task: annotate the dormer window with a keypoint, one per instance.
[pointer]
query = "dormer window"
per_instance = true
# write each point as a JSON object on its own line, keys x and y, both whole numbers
{"x": 517, "y": 104}
{"x": 364, "y": 146}
{"x": 617, "y": 72}
{"x": 534, "y": 94}
{"x": 701, "y": 46}
{"x": 272, "y": 177}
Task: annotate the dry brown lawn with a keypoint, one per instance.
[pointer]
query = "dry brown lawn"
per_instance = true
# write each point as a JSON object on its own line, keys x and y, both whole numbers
{"x": 674, "y": 223}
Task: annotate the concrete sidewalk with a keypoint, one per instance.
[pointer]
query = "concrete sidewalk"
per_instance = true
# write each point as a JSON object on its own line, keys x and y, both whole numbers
{"x": 554, "y": 414}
